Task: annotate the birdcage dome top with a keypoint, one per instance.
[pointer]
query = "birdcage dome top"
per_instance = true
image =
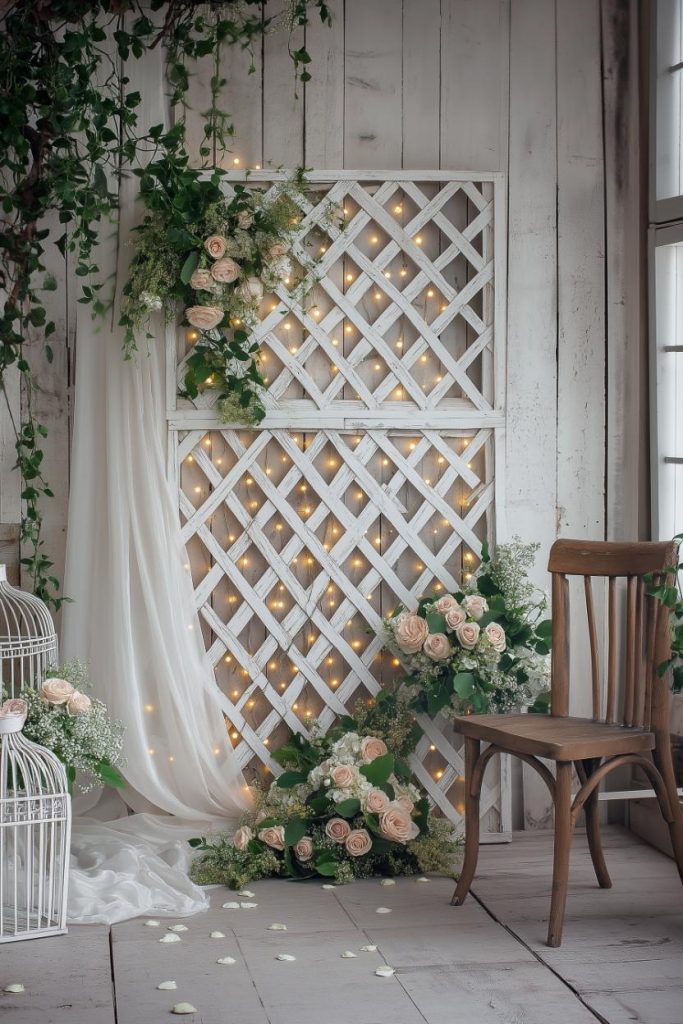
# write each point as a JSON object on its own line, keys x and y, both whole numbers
{"x": 23, "y": 616}
{"x": 27, "y": 769}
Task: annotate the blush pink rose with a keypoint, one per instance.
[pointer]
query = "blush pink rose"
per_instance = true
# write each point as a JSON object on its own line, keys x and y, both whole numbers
{"x": 496, "y": 636}
{"x": 274, "y": 836}
{"x": 261, "y": 816}
{"x": 242, "y": 837}
{"x": 14, "y": 706}
{"x": 250, "y": 290}
{"x": 455, "y": 617}
{"x": 56, "y": 691}
{"x": 304, "y": 848}
{"x": 245, "y": 219}
{"x": 376, "y": 801}
{"x": 225, "y": 270}
{"x": 468, "y": 634}
{"x": 201, "y": 280}
{"x": 410, "y": 632}
{"x": 406, "y": 803}
{"x": 277, "y": 250}
{"x": 344, "y": 775}
{"x": 446, "y": 604}
{"x": 437, "y": 647}
{"x": 78, "y": 703}
{"x": 475, "y": 605}
{"x": 397, "y": 825}
{"x": 358, "y": 842}
{"x": 205, "y": 318}
{"x": 337, "y": 830}
{"x": 372, "y": 747}
{"x": 216, "y": 245}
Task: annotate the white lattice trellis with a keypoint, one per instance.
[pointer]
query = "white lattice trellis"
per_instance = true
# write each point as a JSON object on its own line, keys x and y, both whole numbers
{"x": 374, "y": 476}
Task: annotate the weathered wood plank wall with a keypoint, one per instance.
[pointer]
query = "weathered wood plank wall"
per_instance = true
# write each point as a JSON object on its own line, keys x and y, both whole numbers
{"x": 546, "y": 91}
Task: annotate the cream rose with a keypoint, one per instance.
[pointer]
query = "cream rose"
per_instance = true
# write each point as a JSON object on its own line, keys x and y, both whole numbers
{"x": 216, "y": 246}
{"x": 205, "y": 318}
{"x": 56, "y": 691}
{"x": 245, "y": 219}
{"x": 496, "y": 636}
{"x": 410, "y": 632}
{"x": 372, "y": 747}
{"x": 468, "y": 634}
{"x": 273, "y": 837}
{"x": 225, "y": 270}
{"x": 358, "y": 842}
{"x": 437, "y": 647}
{"x": 337, "y": 829}
{"x": 250, "y": 290}
{"x": 344, "y": 775}
{"x": 78, "y": 703}
{"x": 397, "y": 825}
{"x": 277, "y": 250}
{"x": 376, "y": 801}
{"x": 446, "y": 604}
{"x": 475, "y": 605}
{"x": 201, "y": 280}
{"x": 242, "y": 837}
{"x": 406, "y": 803}
{"x": 303, "y": 850}
{"x": 455, "y": 617}
{"x": 14, "y": 706}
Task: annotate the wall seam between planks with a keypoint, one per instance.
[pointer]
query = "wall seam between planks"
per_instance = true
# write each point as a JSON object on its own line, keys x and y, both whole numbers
{"x": 606, "y": 359}
{"x": 557, "y": 282}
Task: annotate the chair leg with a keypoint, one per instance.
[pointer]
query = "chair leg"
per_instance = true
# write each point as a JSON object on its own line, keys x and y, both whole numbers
{"x": 563, "y": 836}
{"x": 472, "y": 750}
{"x": 592, "y": 812}
{"x": 672, "y": 814}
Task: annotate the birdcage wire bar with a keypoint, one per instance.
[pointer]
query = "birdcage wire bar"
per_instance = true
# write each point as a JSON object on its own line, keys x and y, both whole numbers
{"x": 28, "y": 641}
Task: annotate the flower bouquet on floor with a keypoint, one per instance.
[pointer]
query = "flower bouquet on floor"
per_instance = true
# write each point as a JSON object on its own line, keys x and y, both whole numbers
{"x": 481, "y": 649}
{"x": 345, "y": 807}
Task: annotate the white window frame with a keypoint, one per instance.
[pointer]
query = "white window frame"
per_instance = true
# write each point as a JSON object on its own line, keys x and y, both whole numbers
{"x": 662, "y": 211}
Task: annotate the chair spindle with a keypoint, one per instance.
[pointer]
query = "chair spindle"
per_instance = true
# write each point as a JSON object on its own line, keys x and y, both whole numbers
{"x": 629, "y": 689}
{"x": 612, "y": 651}
{"x": 593, "y": 636}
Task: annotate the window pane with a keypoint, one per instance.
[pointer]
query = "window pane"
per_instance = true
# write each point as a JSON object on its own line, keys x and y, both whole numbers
{"x": 669, "y": 170}
{"x": 669, "y": 387}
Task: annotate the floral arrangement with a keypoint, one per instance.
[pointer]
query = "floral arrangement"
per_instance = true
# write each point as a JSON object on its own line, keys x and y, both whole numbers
{"x": 345, "y": 807}
{"x": 76, "y": 727}
{"x": 218, "y": 266}
{"x": 483, "y": 648}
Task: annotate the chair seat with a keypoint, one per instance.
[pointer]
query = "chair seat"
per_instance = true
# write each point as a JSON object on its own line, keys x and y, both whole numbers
{"x": 560, "y": 739}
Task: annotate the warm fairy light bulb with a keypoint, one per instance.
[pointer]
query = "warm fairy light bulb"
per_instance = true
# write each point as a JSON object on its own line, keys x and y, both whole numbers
{"x": 430, "y": 293}
{"x": 398, "y": 208}
{"x": 374, "y": 239}
{"x": 236, "y": 161}
{"x": 335, "y": 341}
{"x": 323, "y": 248}
{"x": 249, "y": 481}
{"x": 235, "y": 693}
{"x": 387, "y": 274}
{"x": 356, "y": 644}
{"x": 197, "y": 490}
{"x": 192, "y": 335}
{"x": 403, "y": 272}
{"x": 348, "y": 329}
{"x": 257, "y": 167}
{"x": 149, "y": 707}
{"x": 418, "y": 240}
{"x": 288, "y": 327}
{"x": 423, "y": 359}
{"x": 437, "y": 775}
{"x": 378, "y": 296}
{"x": 395, "y": 662}
{"x": 316, "y": 313}
{"x": 334, "y": 682}
{"x": 151, "y": 750}
{"x": 278, "y": 526}
{"x": 378, "y": 366}
{"x": 349, "y": 277}
{"x": 251, "y": 703}
{"x": 234, "y": 735}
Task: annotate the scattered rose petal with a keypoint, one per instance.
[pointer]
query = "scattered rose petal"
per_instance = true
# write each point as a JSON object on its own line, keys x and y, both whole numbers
{"x": 217, "y": 935}
{"x": 184, "y": 1008}
{"x": 328, "y": 886}
{"x": 178, "y": 928}
{"x": 248, "y": 906}
{"x": 231, "y": 906}
{"x": 170, "y": 938}
{"x": 247, "y": 893}
{"x": 348, "y": 955}
{"x": 368, "y": 949}
{"x": 385, "y": 971}
{"x": 226, "y": 960}
{"x": 152, "y": 924}
{"x": 167, "y": 985}
{"x": 277, "y": 927}
{"x": 15, "y": 988}
{"x": 387, "y": 881}
{"x": 383, "y": 910}
{"x": 423, "y": 879}
{"x": 285, "y": 956}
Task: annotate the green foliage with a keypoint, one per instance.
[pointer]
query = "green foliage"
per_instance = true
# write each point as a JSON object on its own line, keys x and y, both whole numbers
{"x": 666, "y": 587}
{"x": 68, "y": 127}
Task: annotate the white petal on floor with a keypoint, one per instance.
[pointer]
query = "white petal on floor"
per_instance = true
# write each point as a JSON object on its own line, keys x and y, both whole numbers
{"x": 226, "y": 960}
{"x": 170, "y": 938}
{"x": 387, "y": 881}
{"x": 348, "y": 955}
{"x": 15, "y": 988}
{"x": 383, "y": 910}
{"x": 285, "y": 956}
{"x": 184, "y": 1008}
{"x": 248, "y": 906}
{"x": 231, "y": 906}
{"x": 247, "y": 893}
{"x": 328, "y": 886}
{"x": 217, "y": 935}
{"x": 167, "y": 986}
{"x": 152, "y": 924}
{"x": 368, "y": 949}
{"x": 423, "y": 879}
{"x": 178, "y": 928}
{"x": 385, "y": 971}
{"x": 276, "y": 927}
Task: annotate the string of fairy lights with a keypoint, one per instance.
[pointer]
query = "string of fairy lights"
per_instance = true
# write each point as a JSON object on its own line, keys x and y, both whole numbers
{"x": 306, "y": 571}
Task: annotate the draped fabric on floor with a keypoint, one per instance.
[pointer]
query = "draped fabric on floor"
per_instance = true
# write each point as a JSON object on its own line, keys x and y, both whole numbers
{"x": 133, "y": 618}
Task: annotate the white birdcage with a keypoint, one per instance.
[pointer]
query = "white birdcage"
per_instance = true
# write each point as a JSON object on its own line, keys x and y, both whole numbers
{"x": 35, "y": 829}
{"x": 28, "y": 642}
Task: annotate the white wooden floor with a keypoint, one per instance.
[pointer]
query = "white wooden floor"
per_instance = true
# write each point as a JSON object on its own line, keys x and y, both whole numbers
{"x": 483, "y": 963}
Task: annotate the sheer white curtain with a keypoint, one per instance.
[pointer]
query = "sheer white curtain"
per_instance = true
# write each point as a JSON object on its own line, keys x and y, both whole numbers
{"x": 133, "y": 616}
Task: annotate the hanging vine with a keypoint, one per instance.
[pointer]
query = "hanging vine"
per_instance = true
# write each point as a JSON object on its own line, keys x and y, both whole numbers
{"x": 68, "y": 124}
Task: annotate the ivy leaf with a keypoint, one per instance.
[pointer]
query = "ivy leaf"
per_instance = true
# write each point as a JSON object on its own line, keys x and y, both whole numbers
{"x": 295, "y": 829}
{"x": 463, "y": 684}
{"x": 327, "y": 868}
{"x": 290, "y": 779}
{"x": 348, "y": 808}
{"x": 436, "y": 622}
{"x": 379, "y": 770}
{"x": 189, "y": 267}
{"x": 109, "y": 775}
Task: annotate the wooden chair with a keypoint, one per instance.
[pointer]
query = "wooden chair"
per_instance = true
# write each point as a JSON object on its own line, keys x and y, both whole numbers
{"x": 638, "y": 736}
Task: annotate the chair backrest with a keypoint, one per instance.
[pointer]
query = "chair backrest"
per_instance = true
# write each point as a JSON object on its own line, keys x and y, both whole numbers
{"x": 645, "y": 639}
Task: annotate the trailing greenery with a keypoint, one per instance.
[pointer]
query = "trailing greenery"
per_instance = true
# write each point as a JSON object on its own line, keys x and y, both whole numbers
{"x": 68, "y": 129}
{"x": 667, "y": 589}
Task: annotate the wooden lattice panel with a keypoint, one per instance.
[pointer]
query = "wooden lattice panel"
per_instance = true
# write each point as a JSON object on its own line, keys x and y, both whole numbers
{"x": 373, "y": 477}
